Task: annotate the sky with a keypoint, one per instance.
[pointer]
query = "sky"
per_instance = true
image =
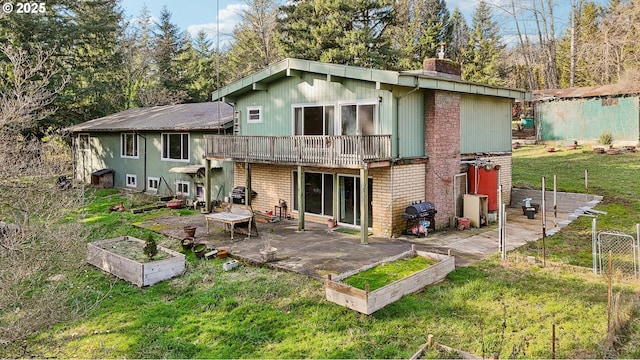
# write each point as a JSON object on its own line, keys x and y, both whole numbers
{"x": 196, "y": 15}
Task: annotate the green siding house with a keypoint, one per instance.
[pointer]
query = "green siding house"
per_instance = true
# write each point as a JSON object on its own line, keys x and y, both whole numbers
{"x": 157, "y": 150}
{"x": 584, "y": 114}
{"x": 359, "y": 145}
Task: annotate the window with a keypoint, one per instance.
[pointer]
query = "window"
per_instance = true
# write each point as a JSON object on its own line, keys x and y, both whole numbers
{"x": 318, "y": 193}
{"x": 83, "y": 142}
{"x": 200, "y": 192}
{"x": 129, "y": 145}
{"x": 153, "y": 184}
{"x": 131, "y": 180}
{"x": 182, "y": 188}
{"x": 175, "y": 147}
{"x": 358, "y": 119}
{"x": 314, "y": 120}
{"x": 254, "y": 114}
{"x": 609, "y": 102}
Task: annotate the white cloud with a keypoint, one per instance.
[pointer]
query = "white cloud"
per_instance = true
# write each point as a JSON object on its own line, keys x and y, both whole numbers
{"x": 229, "y": 17}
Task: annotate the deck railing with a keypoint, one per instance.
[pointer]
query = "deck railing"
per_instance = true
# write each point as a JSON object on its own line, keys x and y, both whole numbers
{"x": 330, "y": 151}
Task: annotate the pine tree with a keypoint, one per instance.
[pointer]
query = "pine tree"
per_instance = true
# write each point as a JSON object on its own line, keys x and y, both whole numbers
{"x": 352, "y": 32}
{"x": 482, "y": 56}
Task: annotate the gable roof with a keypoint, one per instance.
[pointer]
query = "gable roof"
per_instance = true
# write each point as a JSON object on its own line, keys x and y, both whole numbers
{"x": 181, "y": 117}
{"x": 334, "y": 72}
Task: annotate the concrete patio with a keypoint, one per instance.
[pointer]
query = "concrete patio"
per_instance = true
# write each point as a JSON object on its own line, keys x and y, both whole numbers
{"x": 319, "y": 251}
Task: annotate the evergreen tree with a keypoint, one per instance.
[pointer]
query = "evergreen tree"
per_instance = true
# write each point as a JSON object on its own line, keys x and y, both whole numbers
{"x": 164, "y": 84}
{"x": 482, "y": 56}
{"x": 459, "y": 37}
{"x": 199, "y": 68}
{"x": 96, "y": 85}
{"x": 353, "y": 32}
{"x": 169, "y": 43}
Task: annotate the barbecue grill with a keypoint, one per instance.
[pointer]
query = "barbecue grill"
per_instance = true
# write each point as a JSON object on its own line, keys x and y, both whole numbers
{"x": 238, "y": 195}
{"x": 420, "y": 216}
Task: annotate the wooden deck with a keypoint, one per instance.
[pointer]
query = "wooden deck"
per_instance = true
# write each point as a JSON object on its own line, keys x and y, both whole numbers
{"x": 326, "y": 151}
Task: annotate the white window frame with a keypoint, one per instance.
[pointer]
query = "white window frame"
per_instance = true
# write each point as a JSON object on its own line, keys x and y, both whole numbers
{"x": 179, "y": 184}
{"x": 198, "y": 187}
{"x": 254, "y": 118}
{"x": 131, "y": 181}
{"x": 336, "y": 114}
{"x": 357, "y": 103}
{"x": 152, "y": 179}
{"x": 81, "y": 143}
{"x": 123, "y": 147}
{"x": 163, "y": 146}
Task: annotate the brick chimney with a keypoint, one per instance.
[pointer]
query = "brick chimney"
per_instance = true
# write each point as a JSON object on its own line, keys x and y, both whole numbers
{"x": 441, "y": 67}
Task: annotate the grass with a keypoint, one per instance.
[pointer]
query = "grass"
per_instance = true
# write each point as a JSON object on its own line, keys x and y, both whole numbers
{"x": 504, "y": 308}
{"x": 381, "y": 275}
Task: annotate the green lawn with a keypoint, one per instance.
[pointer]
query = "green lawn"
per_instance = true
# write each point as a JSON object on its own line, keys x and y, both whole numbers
{"x": 495, "y": 307}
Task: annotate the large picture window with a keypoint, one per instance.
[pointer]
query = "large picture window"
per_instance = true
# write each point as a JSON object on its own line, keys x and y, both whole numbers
{"x": 129, "y": 145}
{"x": 175, "y": 146}
{"x": 358, "y": 119}
{"x": 314, "y": 120}
{"x": 318, "y": 193}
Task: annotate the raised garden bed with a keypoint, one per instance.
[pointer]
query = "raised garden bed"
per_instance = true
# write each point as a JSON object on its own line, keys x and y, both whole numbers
{"x": 124, "y": 258}
{"x": 367, "y": 302}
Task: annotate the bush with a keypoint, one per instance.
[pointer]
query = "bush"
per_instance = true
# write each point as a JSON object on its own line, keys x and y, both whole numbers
{"x": 606, "y": 138}
{"x": 150, "y": 247}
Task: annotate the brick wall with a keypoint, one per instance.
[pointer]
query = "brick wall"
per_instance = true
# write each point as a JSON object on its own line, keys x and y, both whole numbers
{"x": 272, "y": 183}
{"x": 442, "y": 145}
{"x": 408, "y": 186}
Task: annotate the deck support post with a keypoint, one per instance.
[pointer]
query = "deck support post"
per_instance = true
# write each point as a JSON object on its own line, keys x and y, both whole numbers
{"x": 247, "y": 188}
{"x": 364, "y": 205}
{"x": 300, "y": 195}
{"x": 207, "y": 185}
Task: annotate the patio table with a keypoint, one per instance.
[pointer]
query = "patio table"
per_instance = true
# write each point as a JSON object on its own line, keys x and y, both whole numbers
{"x": 228, "y": 218}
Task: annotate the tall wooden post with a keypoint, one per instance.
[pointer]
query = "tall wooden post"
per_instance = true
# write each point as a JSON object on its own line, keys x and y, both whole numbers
{"x": 364, "y": 206}
{"x": 247, "y": 188}
{"x": 300, "y": 195}
{"x": 207, "y": 185}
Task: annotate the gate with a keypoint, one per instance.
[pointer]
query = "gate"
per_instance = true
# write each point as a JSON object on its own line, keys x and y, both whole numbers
{"x": 624, "y": 253}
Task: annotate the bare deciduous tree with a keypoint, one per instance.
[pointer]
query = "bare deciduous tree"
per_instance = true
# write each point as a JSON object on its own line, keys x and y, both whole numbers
{"x": 35, "y": 249}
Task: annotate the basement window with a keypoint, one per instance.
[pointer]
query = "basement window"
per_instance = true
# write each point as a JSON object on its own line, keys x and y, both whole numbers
{"x": 132, "y": 180}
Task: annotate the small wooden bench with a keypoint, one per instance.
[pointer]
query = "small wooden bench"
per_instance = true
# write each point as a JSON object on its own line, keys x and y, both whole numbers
{"x": 234, "y": 214}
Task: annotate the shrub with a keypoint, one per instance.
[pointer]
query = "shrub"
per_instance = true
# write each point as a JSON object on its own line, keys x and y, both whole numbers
{"x": 151, "y": 247}
{"x": 606, "y": 138}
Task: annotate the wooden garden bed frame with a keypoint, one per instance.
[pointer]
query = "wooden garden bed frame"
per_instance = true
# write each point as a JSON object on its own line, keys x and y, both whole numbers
{"x": 138, "y": 273}
{"x": 367, "y": 302}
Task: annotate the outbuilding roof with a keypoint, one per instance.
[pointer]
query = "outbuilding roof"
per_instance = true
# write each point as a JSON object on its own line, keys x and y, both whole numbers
{"x": 334, "y": 72}
{"x": 586, "y": 92}
{"x": 181, "y": 117}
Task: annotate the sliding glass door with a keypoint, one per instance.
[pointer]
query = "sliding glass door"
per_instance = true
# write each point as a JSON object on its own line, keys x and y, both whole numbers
{"x": 350, "y": 200}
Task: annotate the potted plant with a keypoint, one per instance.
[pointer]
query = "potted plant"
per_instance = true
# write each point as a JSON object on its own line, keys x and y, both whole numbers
{"x": 174, "y": 203}
{"x": 150, "y": 246}
{"x": 331, "y": 223}
{"x": 268, "y": 252}
{"x": 187, "y": 243}
{"x": 199, "y": 249}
